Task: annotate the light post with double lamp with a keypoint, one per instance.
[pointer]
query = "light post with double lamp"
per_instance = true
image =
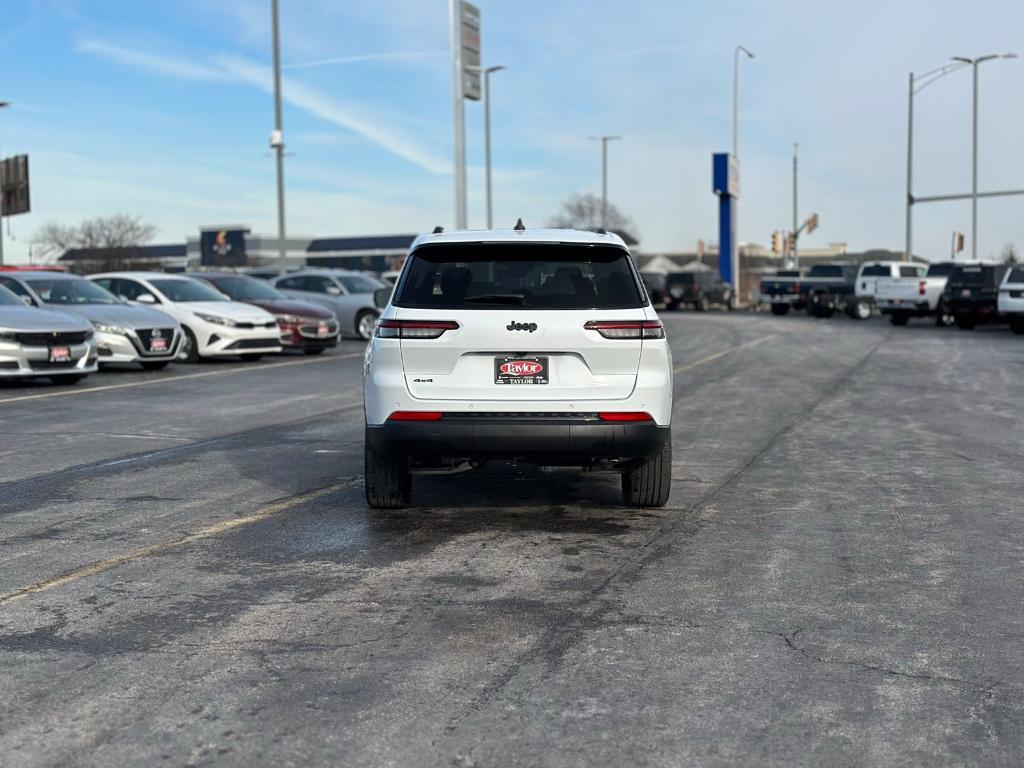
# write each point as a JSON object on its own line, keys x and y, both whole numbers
{"x": 974, "y": 141}
{"x": 2, "y": 105}
{"x": 487, "y": 72}
{"x": 604, "y": 176}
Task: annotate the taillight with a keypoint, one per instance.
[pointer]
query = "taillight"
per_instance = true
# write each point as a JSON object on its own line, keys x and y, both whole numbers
{"x": 920, "y": 287}
{"x": 625, "y": 416}
{"x": 796, "y": 287}
{"x": 414, "y": 329}
{"x": 416, "y": 416}
{"x": 627, "y": 329}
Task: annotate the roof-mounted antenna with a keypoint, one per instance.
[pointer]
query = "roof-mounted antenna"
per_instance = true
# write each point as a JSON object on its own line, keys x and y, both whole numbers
{"x": 520, "y": 227}
{"x": 437, "y": 230}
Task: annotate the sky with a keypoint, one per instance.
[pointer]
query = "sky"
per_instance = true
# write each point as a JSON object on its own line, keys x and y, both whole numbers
{"x": 165, "y": 110}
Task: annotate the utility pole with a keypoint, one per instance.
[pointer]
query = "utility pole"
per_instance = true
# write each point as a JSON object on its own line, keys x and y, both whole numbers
{"x": 277, "y": 140}
{"x": 795, "y": 257}
{"x": 2, "y": 105}
{"x": 487, "y": 72}
{"x": 604, "y": 176}
{"x": 907, "y": 251}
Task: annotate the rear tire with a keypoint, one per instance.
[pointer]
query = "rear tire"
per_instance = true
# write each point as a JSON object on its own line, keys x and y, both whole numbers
{"x": 366, "y": 322}
{"x": 649, "y": 483}
{"x": 780, "y": 309}
{"x": 899, "y": 318}
{"x": 943, "y": 317}
{"x": 386, "y": 479}
{"x": 861, "y": 309}
{"x": 818, "y": 306}
{"x": 154, "y": 365}
{"x": 966, "y": 322}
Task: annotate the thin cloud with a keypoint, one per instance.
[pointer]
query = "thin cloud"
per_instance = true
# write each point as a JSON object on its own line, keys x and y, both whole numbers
{"x": 234, "y": 69}
{"x": 326, "y": 108}
{"x": 184, "y": 70}
{"x": 398, "y": 56}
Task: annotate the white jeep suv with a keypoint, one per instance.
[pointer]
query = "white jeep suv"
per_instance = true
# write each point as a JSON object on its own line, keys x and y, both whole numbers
{"x": 538, "y": 346}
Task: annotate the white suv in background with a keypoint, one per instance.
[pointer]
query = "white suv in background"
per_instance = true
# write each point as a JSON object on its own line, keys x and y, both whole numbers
{"x": 213, "y": 325}
{"x": 1011, "y": 298}
{"x": 540, "y": 346}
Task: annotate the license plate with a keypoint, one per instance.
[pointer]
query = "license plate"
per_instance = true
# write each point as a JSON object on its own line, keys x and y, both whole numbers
{"x": 965, "y": 292}
{"x": 158, "y": 345}
{"x": 60, "y": 354}
{"x": 323, "y": 331}
{"x": 520, "y": 369}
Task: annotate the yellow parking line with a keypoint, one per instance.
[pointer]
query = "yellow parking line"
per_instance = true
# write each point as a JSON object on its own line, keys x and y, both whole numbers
{"x": 203, "y": 533}
{"x": 723, "y": 353}
{"x": 149, "y": 382}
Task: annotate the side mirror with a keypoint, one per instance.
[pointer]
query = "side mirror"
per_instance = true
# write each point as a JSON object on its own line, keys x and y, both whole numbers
{"x": 333, "y": 290}
{"x": 146, "y": 298}
{"x": 382, "y": 296}
{"x": 27, "y": 301}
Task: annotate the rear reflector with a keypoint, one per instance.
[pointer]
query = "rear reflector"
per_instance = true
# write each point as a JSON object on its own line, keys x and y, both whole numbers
{"x": 414, "y": 329}
{"x": 627, "y": 329}
{"x": 625, "y": 416}
{"x": 415, "y": 416}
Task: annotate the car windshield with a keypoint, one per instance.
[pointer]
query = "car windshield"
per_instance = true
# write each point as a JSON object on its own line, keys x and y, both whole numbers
{"x": 71, "y": 291}
{"x": 524, "y": 276}
{"x": 8, "y": 299}
{"x": 1017, "y": 275}
{"x": 940, "y": 270}
{"x": 360, "y": 283}
{"x": 241, "y": 288}
{"x": 187, "y": 290}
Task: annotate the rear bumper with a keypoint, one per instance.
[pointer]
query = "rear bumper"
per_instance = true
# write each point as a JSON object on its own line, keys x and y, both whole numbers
{"x": 958, "y": 306}
{"x": 548, "y": 439}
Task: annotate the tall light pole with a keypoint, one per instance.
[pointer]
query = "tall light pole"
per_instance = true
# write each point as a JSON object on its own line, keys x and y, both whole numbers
{"x": 277, "y": 138}
{"x": 604, "y": 175}
{"x": 917, "y": 84}
{"x": 736, "y": 97}
{"x": 487, "y": 72}
{"x": 2, "y": 105}
{"x": 974, "y": 142}
{"x": 459, "y": 114}
{"x": 796, "y": 215}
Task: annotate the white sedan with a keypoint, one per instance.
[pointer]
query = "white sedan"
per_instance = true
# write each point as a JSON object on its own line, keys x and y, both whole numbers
{"x": 214, "y": 326}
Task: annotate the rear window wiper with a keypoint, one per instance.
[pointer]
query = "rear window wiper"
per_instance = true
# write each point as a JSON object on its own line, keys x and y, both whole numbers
{"x": 496, "y": 298}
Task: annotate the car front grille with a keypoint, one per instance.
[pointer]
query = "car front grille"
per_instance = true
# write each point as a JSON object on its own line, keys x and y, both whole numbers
{"x": 50, "y": 339}
{"x": 250, "y": 326}
{"x": 311, "y": 329}
{"x": 45, "y": 365}
{"x": 146, "y": 338}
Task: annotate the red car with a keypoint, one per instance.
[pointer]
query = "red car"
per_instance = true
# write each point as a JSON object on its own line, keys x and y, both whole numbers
{"x": 303, "y": 325}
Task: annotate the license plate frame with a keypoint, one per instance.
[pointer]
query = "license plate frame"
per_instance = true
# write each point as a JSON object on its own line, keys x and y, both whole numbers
{"x": 525, "y": 377}
{"x": 60, "y": 354}
{"x": 158, "y": 345}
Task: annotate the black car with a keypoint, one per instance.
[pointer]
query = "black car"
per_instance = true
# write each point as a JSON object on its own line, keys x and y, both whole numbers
{"x": 654, "y": 282}
{"x": 696, "y": 289}
{"x": 972, "y": 293}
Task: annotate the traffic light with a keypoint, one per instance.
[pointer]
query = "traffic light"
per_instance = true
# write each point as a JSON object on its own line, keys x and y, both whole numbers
{"x": 776, "y": 242}
{"x": 959, "y": 239}
{"x": 790, "y": 242}
{"x": 812, "y": 223}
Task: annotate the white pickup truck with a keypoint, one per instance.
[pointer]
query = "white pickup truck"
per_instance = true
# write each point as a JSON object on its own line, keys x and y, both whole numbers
{"x": 904, "y": 296}
{"x": 873, "y": 273}
{"x": 1011, "y": 298}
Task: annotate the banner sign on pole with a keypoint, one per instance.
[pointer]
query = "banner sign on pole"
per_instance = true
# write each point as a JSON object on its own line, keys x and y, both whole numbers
{"x": 14, "y": 191}
{"x": 470, "y": 27}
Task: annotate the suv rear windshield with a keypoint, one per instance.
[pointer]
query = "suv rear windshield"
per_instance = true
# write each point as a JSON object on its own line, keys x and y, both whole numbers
{"x": 524, "y": 276}
{"x": 940, "y": 270}
{"x": 984, "y": 275}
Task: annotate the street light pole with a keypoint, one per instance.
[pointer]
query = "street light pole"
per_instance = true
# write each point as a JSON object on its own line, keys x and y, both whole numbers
{"x": 604, "y": 176}
{"x": 459, "y": 114}
{"x": 736, "y": 97}
{"x": 793, "y": 255}
{"x": 974, "y": 142}
{"x": 277, "y": 139}
{"x": 2, "y": 105}
{"x": 487, "y": 72}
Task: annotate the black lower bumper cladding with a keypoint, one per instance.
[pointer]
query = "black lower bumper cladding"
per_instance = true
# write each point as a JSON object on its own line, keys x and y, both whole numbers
{"x": 554, "y": 439}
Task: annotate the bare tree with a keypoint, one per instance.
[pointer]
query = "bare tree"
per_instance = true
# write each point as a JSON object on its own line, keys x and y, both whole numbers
{"x": 1010, "y": 254}
{"x": 584, "y": 212}
{"x": 110, "y": 237}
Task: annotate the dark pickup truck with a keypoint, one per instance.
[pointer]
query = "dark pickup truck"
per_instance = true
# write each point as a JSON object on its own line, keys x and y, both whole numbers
{"x": 823, "y": 290}
{"x": 972, "y": 293}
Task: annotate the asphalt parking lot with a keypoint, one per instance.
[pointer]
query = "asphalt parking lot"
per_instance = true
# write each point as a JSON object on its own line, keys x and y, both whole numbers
{"x": 189, "y": 574}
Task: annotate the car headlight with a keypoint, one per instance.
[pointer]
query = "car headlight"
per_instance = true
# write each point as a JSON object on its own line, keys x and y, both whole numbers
{"x": 216, "y": 319}
{"x": 107, "y": 328}
{"x": 291, "y": 319}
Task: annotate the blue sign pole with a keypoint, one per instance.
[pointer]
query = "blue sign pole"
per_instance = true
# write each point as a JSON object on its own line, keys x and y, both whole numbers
{"x": 726, "y": 184}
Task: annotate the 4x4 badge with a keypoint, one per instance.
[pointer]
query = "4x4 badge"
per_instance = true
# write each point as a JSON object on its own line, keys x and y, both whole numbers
{"x": 514, "y": 326}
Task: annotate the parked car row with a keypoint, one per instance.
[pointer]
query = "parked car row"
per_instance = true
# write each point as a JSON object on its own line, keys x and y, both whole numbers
{"x": 699, "y": 290}
{"x": 64, "y": 327}
{"x": 965, "y": 294}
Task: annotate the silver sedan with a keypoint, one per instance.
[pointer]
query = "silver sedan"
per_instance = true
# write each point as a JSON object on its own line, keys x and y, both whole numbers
{"x": 349, "y": 295}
